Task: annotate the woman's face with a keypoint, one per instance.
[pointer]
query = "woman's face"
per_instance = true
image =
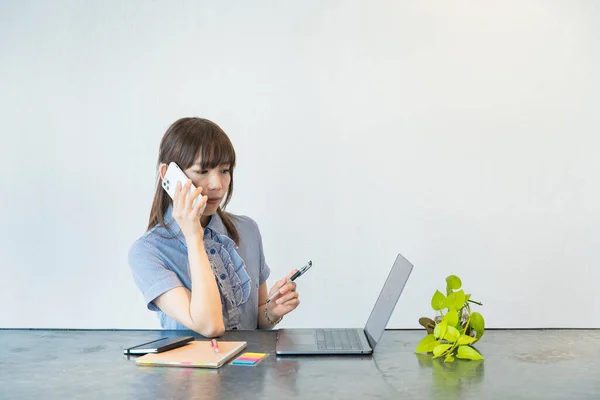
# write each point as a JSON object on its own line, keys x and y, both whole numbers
{"x": 214, "y": 183}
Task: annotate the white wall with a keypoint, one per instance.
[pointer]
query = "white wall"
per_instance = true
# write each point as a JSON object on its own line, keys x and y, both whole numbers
{"x": 463, "y": 134}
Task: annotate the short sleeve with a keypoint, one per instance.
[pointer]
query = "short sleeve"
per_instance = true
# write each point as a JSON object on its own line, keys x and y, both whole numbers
{"x": 264, "y": 270}
{"x": 150, "y": 274}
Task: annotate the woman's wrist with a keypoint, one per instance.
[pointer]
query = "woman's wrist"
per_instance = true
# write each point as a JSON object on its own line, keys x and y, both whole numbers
{"x": 271, "y": 318}
{"x": 197, "y": 251}
{"x": 195, "y": 240}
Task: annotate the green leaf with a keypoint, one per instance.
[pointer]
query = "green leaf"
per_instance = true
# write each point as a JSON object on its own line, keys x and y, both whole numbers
{"x": 453, "y": 283}
{"x": 427, "y": 344}
{"x": 467, "y": 297}
{"x": 464, "y": 339}
{"x": 456, "y": 300}
{"x": 469, "y": 353}
{"x": 478, "y": 324}
{"x": 449, "y": 358}
{"x": 452, "y": 334}
{"x": 440, "y": 330}
{"x": 440, "y": 349}
{"x": 438, "y": 301}
{"x": 451, "y": 317}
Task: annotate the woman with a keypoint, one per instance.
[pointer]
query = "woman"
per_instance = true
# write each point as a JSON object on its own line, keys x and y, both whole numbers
{"x": 205, "y": 272}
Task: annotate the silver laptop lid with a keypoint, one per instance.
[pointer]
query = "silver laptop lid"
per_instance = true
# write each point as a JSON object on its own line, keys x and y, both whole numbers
{"x": 388, "y": 297}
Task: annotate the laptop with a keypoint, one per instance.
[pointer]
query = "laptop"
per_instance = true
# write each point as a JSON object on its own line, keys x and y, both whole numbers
{"x": 353, "y": 340}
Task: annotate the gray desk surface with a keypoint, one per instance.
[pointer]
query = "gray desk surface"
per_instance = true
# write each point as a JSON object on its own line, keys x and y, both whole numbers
{"x": 57, "y": 364}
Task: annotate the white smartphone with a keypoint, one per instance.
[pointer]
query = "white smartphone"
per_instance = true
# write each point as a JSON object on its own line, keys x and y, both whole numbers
{"x": 173, "y": 175}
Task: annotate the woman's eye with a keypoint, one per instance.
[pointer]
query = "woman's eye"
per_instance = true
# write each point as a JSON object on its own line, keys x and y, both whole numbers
{"x": 226, "y": 171}
{"x": 201, "y": 172}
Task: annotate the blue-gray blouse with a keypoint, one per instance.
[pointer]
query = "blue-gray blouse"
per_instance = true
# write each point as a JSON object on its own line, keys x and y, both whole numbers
{"x": 159, "y": 262}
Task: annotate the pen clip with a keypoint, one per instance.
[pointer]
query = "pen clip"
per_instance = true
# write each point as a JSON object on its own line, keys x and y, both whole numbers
{"x": 306, "y": 268}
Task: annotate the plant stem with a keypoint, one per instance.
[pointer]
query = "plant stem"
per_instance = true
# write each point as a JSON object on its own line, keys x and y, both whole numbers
{"x": 476, "y": 302}
{"x": 455, "y": 344}
{"x": 468, "y": 319}
{"x": 468, "y": 322}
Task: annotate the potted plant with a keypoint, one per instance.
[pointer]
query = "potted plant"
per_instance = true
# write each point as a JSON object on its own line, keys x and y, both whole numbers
{"x": 456, "y": 328}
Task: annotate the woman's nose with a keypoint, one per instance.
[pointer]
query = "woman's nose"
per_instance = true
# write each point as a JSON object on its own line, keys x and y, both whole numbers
{"x": 214, "y": 183}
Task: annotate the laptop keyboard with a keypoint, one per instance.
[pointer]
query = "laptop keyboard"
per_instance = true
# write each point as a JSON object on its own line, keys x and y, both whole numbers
{"x": 338, "y": 339}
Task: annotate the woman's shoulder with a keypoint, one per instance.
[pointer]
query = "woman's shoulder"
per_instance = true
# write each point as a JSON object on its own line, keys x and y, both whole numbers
{"x": 151, "y": 240}
{"x": 143, "y": 244}
{"x": 242, "y": 221}
{"x": 244, "y": 224}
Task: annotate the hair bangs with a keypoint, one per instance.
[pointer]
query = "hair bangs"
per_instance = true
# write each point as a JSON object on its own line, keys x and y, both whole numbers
{"x": 216, "y": 149}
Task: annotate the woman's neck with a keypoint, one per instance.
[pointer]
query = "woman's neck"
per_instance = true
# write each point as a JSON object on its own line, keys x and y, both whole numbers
{"x": 205, "y": 219}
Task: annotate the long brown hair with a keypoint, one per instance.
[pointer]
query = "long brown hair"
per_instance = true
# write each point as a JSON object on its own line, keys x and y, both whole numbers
{"x": 185, "y": 139}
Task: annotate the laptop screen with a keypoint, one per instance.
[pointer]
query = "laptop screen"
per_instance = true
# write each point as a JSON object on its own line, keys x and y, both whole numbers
{"x": 386, "y": 302}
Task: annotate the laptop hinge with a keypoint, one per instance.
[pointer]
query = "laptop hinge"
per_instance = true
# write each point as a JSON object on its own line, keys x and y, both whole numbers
{"x": 372, "y": 342}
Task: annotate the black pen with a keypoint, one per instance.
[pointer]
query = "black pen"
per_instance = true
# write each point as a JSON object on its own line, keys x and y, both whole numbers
{"x": 292, "y": 279}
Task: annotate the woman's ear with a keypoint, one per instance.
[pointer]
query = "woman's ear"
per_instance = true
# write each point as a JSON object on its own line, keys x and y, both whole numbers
{"x": 162, "y": 170}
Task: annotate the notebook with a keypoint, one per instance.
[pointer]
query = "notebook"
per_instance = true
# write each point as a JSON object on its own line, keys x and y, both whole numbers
{"x": 197, "y": 354}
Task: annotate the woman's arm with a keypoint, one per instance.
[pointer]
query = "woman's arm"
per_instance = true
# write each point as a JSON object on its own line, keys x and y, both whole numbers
{"x": 200, "y": 309}
{"x": 262, "y": 303}
{"x": 285, "y": 302}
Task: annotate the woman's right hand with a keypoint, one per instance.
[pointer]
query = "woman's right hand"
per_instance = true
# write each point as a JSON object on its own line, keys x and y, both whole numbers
{"x": 188, "y": 217}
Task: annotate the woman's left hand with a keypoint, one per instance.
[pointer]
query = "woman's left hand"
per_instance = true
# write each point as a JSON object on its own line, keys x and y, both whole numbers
{"x": 286, "y": 301}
